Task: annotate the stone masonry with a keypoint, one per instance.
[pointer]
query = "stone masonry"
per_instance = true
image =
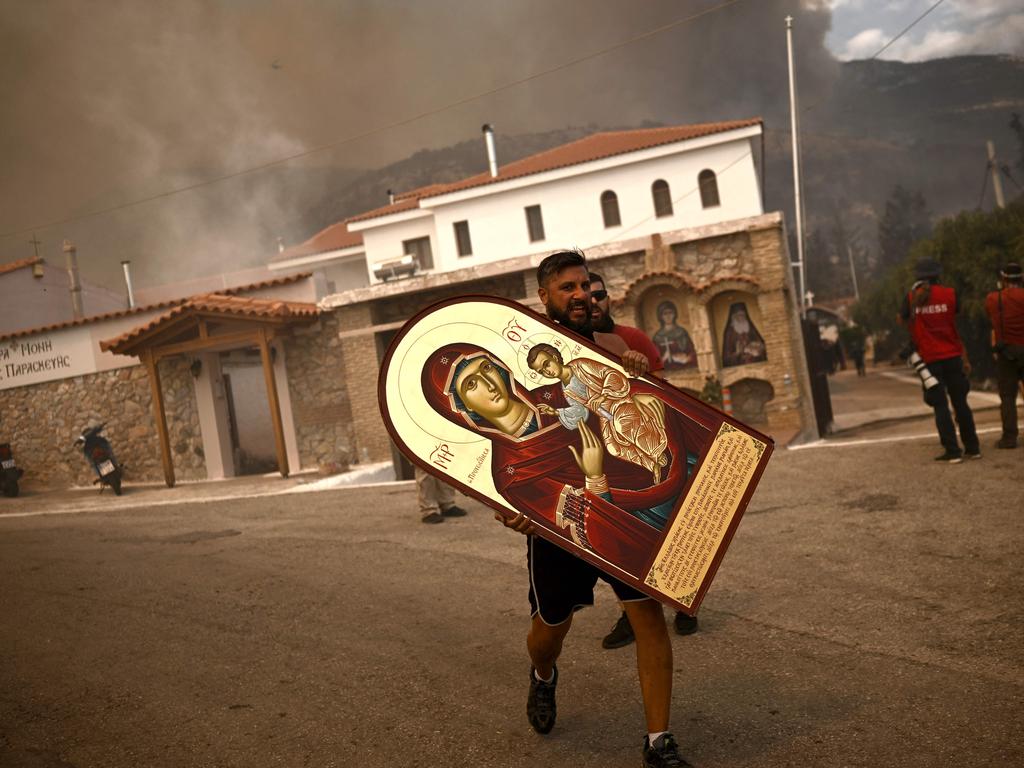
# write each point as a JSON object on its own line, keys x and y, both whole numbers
{"x": 41, "y": 422}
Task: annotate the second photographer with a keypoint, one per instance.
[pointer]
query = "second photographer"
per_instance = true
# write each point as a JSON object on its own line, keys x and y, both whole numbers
{"x": 929, "y": 312}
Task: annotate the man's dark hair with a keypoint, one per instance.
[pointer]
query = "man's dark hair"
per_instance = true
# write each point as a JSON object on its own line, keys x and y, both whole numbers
{"x": 596, "y": 278}
{"x": 531, "y": 356}
{"x": 556, "y": 262}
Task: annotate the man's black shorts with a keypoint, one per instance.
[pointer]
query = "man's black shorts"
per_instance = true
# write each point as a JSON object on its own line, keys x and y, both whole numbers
{"x": 561, "y": 583}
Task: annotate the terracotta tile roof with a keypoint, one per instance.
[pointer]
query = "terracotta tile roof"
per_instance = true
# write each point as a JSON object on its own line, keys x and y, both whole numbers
{"x": 597, "y": 146}
{"x": 219, "y": 304}
{"x": 11, "y": 266}
{"x": 150, "y": 307}
{"x": 333, "y": 238}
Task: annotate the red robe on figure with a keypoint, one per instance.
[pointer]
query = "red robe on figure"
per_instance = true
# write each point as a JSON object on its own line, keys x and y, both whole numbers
{"x": 537, "y": 474}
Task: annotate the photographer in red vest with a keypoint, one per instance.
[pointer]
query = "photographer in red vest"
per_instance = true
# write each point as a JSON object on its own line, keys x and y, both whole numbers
{"x": 929, "y": 312}
{"x": 1005, "y": 309}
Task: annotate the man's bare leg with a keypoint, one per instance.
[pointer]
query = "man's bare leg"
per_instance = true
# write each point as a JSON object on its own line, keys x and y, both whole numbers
{"x": 653, "y": 661}
{"x": 544, "y": 644}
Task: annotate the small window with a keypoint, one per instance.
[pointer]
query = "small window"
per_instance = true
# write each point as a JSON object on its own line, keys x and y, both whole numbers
{"x": 462, "y": 241}
{"x": 534, "y": 223}
{"x": 662, "y": 198}
{"x": 420, "y": 248}
{"x": 708, "y": 183}
{"x": 610, "y": 209}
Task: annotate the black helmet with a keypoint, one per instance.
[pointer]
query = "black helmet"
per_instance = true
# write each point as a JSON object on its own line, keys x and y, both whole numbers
{"x": 927, "y": 269}
{"x": 1011, "y": 271}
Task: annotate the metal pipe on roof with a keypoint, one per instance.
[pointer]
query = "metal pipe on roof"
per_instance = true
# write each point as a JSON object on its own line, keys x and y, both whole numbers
{"x": 126, "y": 266}
{"x": 75, "y": 285}
{"x": 492, "y": 155}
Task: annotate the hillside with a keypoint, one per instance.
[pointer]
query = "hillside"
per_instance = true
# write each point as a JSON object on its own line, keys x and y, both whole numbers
{"x": 922, "y": 125}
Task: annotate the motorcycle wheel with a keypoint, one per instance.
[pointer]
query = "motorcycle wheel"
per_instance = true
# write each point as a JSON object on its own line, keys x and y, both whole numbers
{"x": 115, "y": 482}
{"x": 11, "y": 489}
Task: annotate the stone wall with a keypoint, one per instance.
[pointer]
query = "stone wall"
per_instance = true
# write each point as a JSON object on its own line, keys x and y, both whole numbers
{"x": 319, "y": 390}
{"x": 42, "y": 421}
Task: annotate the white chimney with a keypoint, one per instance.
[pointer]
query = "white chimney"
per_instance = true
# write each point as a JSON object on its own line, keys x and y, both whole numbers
{"x": 126, "y": 266}
{"x": 391, "y": 197}
{"x": 492, "y": 155}
{"x": 75, "y": 283}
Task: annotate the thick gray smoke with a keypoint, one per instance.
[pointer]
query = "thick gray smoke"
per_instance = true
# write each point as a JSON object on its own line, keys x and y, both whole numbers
{"x": 108, "y": 103}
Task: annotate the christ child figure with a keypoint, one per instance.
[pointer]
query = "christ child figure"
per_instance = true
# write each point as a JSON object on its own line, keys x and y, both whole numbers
{"x": 631, "y": 430}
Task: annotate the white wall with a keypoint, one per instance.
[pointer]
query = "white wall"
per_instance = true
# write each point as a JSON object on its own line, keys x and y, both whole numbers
{"x": 571, "y": 208}
{"x": 27, "y": 301}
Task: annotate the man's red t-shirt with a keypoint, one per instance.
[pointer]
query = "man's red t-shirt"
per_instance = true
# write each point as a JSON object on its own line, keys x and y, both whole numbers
{"x": 638, "y": 340}
{"x": 1011, "y": 330}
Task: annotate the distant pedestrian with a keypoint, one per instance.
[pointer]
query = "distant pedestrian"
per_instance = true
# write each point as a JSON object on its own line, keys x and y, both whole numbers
{"x": 1005, "y": 309}
{"x": 436, "y": 498}
{"x": 855, "y": 341}
{"x": 929, "y": 311}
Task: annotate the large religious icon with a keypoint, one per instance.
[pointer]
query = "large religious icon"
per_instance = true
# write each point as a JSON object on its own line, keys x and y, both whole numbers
{"x": 672, "y": 340}
{"x": 741, "y": 341}
{"x": 631, "y": 474}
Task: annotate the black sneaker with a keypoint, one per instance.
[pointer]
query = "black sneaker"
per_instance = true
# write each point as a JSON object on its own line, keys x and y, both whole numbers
{"x": 685, "y": 625}
{"x": 1007, "y": 443}
{"x": 621, "y": 634}
{"x": 453, "y": 511}
{"x": 663, "y": 752}
{"x": 950, "y": 458}
{"x": 975, "y": 454}
{"x": 433, "y": 517}
{"x": 540, "y": 706}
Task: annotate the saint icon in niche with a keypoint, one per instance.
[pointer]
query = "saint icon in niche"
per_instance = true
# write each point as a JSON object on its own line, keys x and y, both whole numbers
{"x": 741, "y": 342}
{"x": 673, "y": 342}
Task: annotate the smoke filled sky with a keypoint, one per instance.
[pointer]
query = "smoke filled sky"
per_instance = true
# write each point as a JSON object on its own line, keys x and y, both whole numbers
{"x": 110, "y": 102}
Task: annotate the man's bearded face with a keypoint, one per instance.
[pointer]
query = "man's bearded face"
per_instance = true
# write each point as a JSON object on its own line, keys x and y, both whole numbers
{"x": 740, "y": 322}
{"x": 566, "y": 298}
{"x": 600, "y": 309}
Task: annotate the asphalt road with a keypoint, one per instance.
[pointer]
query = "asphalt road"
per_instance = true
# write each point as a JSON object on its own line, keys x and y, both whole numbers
{"x": 868, "y": 613}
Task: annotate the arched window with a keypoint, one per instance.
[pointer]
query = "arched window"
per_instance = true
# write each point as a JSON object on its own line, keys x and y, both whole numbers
{"x": 662, "y": 198}
{"x": 610, "y": 209}
{"x": 708, "y": 183}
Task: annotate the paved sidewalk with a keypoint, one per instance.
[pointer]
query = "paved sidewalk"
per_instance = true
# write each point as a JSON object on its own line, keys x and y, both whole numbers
{"x": 887, "y": 393}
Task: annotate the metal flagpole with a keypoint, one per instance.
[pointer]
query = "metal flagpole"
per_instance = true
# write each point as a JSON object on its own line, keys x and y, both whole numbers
{"x": 798, "y": 204}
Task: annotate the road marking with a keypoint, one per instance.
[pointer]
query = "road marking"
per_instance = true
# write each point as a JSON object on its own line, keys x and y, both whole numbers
{"x": 876, "y": 440}
{"x": 141, "y": 504}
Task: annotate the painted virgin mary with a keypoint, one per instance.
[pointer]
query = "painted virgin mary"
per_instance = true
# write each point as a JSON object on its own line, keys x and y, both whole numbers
{"x": 561, "y": 479}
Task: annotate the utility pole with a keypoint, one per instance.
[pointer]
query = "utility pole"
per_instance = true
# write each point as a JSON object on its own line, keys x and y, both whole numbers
{"x": 993, "y": 166}
{"x": 853, "y": 272}
{"x": 798, "y": 203}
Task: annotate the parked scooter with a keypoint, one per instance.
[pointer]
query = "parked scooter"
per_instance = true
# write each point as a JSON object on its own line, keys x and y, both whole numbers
{"x": 100, "y": 456}
{"x": 9, "y": 473}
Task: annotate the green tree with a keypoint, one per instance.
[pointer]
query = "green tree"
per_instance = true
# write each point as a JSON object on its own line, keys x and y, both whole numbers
{"x": 904, "y": 222}
{"x": 970, "y": 247}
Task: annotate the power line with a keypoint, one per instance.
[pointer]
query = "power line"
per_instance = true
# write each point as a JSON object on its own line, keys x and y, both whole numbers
{"x": 908, "y": 28}
{"x": 387, "y": 127}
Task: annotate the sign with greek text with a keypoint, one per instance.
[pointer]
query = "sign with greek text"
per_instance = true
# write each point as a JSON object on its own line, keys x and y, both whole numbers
{"x": 46, "y": 357}
{"x": 638, "y": 478}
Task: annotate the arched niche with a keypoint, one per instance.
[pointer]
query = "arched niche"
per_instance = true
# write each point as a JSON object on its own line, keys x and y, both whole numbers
{"x": 738, "y": 328}
{"x": 749, "y": 400}
{"x": 666, "y": 313}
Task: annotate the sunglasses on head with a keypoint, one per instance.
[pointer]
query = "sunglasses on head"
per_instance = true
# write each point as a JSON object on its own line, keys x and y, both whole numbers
{"x": 599, "y": 295}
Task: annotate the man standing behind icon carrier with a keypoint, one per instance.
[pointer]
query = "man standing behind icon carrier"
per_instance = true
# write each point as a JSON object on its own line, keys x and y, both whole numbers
{"x": 929, "y": 312}
{"x": 1005, "y": 309}
{"x": 621, "y": 633}
{"x": 561, "y": 583}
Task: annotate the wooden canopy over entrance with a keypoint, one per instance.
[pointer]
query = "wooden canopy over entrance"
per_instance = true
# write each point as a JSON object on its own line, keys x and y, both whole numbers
{"x": 213, "y": 323}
